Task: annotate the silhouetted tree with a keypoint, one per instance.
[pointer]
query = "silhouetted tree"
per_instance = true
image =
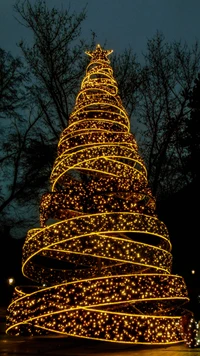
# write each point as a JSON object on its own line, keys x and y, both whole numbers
{"x": 127, "y": 71}
{"x": 12, "y": 77}
{"x": 167, "y": 79}
{"x": 191, "y": 136}
{"x": 55, "y": 59}
{"x": 54, "y": 66}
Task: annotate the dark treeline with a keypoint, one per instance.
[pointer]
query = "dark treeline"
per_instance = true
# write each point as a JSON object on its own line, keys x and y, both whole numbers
{"x": 38, "y": 91}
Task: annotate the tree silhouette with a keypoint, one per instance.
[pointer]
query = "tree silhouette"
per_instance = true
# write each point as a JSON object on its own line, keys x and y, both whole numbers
{"x": 190, "y": 139}
{"x": 168, "y": 76}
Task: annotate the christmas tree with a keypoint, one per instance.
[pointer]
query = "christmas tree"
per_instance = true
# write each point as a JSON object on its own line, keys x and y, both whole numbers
{"x": 103, "y": 268}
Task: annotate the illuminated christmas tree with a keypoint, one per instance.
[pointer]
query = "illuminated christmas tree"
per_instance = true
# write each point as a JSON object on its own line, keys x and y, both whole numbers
{"x": 104, "y": 265}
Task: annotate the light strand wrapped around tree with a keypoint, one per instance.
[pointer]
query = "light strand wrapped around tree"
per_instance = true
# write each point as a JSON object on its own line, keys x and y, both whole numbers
{"x": 104, "y": 266}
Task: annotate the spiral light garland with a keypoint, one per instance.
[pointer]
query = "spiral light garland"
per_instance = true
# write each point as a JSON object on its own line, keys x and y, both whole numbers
{"x": 104, "y": 266}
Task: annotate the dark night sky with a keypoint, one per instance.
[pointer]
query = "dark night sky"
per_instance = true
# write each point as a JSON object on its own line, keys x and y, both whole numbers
{"x": 122, "y": 23}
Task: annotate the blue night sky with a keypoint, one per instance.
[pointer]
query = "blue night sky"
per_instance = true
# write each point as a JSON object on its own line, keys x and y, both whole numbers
{"x": 122, "y": 23}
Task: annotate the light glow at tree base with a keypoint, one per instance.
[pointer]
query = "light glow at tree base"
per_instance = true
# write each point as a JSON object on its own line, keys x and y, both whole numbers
{"x": 103, "y": 269}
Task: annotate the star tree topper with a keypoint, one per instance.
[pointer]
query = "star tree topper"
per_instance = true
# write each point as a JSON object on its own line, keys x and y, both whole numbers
{"x": 99, "y": 53}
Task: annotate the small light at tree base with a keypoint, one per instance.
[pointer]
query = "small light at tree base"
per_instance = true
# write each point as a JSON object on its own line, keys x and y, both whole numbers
{"x": 11, "y": 281}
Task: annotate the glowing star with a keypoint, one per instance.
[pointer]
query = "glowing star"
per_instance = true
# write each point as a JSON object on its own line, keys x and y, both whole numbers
{"x": 99, "y": 53}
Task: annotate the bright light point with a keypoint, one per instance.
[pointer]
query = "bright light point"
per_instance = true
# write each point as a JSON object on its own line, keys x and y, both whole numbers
{"x": 11, "y": 281}
{"x": 193, "y": 271}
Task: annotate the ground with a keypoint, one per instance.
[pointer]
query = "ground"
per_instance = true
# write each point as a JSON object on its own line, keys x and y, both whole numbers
{"x": 57, "y": 346}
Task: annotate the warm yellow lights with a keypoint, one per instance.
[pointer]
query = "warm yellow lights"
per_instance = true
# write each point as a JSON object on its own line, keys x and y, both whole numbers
{"x": 11, "y": 281}
{"x": 104, "y": 265}
{"x": 99, "y": 54}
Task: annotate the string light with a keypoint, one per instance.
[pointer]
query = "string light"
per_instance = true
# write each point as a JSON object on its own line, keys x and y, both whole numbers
{"x": 104, "y": 266}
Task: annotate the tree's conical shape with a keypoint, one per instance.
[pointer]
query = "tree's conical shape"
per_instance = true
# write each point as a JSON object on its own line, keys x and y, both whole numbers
{"x": 105, "y": 264}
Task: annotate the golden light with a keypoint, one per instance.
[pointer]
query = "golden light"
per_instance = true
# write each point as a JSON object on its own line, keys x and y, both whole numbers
{"x": 104, "y": 266}
{"x": 11, "y": 281}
